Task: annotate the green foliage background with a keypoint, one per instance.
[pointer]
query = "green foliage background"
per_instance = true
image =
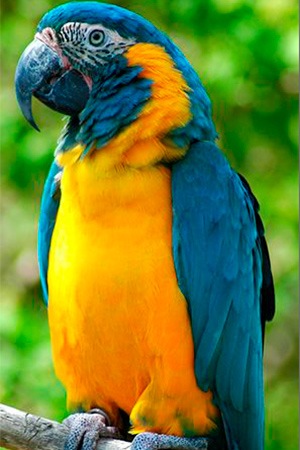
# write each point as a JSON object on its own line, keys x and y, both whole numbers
{"x": 246, "y": 54}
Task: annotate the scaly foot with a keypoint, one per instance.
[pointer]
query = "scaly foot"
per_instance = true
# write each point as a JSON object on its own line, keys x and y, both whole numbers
{"x": 87, "y": 428}
{"x": 154, "y": 441}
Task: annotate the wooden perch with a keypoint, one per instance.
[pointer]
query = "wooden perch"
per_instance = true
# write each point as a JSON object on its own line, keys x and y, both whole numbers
{"x": 23, "y": 431}
{"x": 20, "y": 430}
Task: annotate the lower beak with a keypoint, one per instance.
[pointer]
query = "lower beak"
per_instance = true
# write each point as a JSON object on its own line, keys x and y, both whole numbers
{"x": 40, "y": 72}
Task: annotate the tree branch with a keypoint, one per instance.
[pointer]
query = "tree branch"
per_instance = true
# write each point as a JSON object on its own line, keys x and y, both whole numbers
{"x": 23, "y": 431}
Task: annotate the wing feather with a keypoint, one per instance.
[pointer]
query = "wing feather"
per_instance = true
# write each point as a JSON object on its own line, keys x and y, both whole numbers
{"x": 49, "y": 208}
{"x": 219, "y": 261}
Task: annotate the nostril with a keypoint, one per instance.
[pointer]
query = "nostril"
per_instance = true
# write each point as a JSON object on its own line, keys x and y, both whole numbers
{"x": 48, "y": 35}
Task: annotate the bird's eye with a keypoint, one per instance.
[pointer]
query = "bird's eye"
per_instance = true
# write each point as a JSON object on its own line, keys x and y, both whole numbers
{"x": 96, "y": 38}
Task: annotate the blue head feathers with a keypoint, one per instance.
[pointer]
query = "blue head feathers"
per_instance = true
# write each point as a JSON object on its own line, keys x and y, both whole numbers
{"x": 69, "y": 26}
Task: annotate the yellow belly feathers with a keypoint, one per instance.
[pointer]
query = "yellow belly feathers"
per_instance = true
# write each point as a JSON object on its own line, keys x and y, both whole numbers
{"x": 120, "y": 331}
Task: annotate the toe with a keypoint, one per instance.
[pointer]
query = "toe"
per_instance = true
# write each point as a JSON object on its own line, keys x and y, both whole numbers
{"x": 153, "y": 441}
{"x": 86, "y": 430}
{"x": 145, "y": 441}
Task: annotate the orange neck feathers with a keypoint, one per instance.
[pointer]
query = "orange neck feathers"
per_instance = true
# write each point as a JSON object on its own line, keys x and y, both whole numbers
{"x": 144, "y": 142}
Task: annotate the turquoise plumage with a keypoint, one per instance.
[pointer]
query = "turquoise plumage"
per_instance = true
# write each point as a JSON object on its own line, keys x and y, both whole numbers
{"x": 218, "y": 257}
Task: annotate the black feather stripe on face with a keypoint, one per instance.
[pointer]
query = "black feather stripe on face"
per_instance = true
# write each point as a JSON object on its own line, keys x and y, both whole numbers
{"x": 75, "y": 43}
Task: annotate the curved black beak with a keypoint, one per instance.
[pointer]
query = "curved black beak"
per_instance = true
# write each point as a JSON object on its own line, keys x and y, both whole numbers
{"x": 40, "y": 72}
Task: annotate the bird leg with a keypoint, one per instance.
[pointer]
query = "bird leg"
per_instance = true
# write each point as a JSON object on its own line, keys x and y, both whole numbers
{"x": 87, "y": 428}
{"x": 154, "y": 441}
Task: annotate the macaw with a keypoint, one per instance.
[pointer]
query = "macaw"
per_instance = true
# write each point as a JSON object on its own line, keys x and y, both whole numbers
{"x": 151, "y": 250}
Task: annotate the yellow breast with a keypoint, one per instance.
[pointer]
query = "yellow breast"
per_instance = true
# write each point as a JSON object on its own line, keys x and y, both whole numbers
{"x": 119, "y": 324}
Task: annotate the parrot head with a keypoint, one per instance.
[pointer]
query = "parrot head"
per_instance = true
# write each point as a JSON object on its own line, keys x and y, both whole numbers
{"x": 73, "y": 42}
{"x": 77, "y": 64}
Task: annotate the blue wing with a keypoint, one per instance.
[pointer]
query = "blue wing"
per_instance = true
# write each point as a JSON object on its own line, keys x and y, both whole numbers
{"x": 218, "y": 255}
{"x": 49, "y": 208}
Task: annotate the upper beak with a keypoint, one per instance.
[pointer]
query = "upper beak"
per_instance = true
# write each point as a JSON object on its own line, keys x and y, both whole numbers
{"x": 40, "y": 72}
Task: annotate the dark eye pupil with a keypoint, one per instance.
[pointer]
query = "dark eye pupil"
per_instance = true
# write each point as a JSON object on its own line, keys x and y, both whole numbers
{"x": 96, "y": 37}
